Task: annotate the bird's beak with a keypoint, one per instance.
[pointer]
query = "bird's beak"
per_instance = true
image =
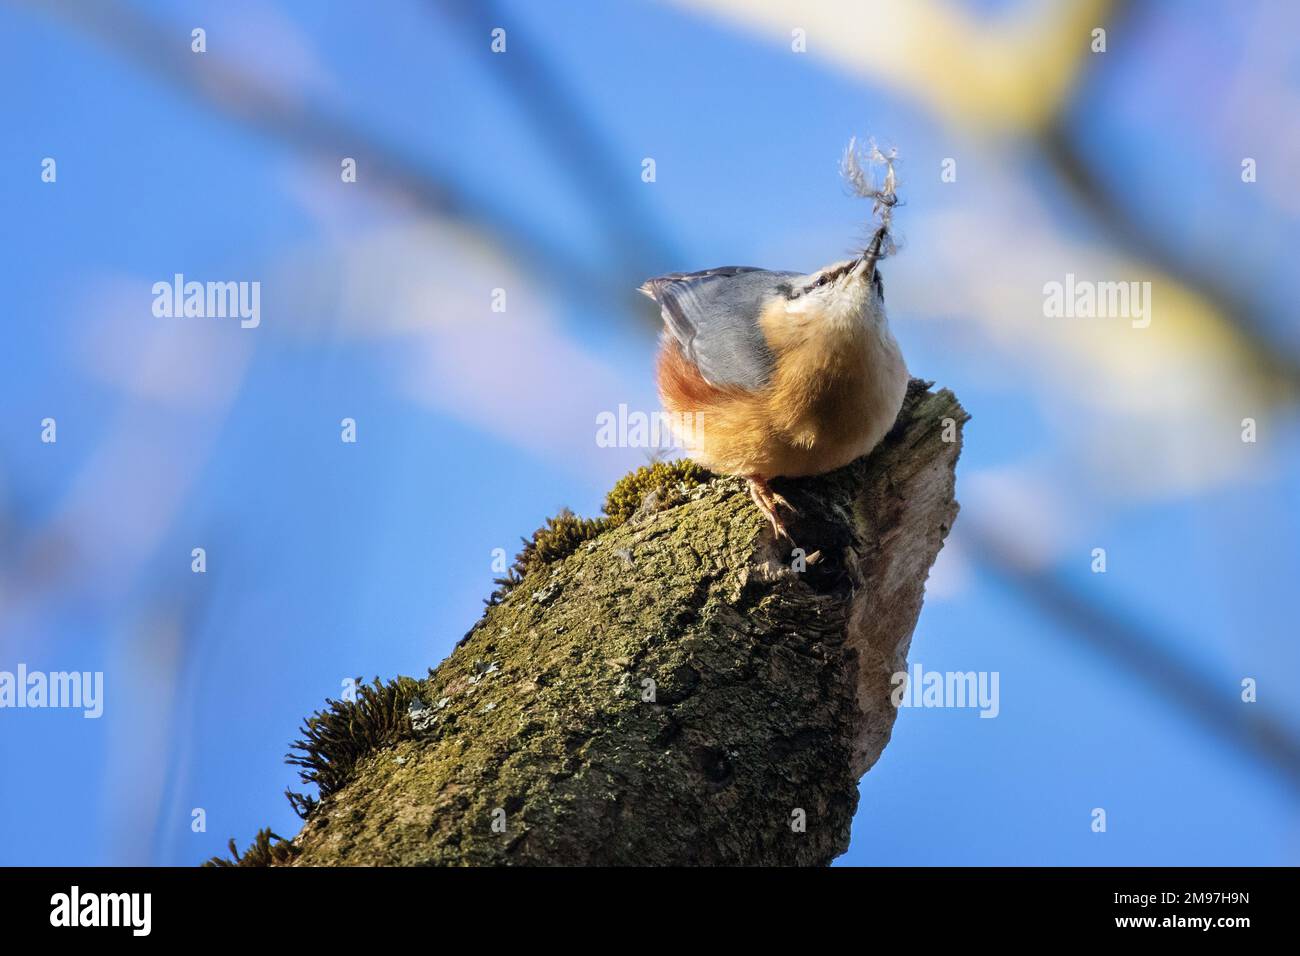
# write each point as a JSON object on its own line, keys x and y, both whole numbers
{"x": 865, "y": 268}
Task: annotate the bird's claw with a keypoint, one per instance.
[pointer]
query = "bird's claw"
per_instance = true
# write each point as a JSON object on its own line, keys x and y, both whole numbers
{"x": 768, "y": 501}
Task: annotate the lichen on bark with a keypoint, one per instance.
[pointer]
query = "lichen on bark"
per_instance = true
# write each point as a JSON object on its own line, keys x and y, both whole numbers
{"x": 676, "y": 688}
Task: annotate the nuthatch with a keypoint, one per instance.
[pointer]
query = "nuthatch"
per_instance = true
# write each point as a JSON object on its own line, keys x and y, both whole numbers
{"x": 788, "y": 375}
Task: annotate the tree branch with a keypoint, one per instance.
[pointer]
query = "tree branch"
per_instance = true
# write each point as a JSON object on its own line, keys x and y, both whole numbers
{"x": 674, "y": 691}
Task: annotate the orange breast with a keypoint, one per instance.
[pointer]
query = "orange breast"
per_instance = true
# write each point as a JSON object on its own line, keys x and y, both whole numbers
{"x": 826, "y": 405}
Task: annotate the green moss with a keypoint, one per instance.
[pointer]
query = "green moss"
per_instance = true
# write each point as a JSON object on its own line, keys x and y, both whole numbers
{"x": 303, "y": 804}
{"x": 668, "y": 481}
{"x": 336, "y": 739}
{"x": 261, "y": 852}
{"x": 558, "y": 539}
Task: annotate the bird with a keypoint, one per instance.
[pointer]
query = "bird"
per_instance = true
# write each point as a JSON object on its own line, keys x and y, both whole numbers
{"x": 785, "y": 374}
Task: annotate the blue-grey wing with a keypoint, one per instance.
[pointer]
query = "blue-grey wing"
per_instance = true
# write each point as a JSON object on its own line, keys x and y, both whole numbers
{"x": 713, "y": 315}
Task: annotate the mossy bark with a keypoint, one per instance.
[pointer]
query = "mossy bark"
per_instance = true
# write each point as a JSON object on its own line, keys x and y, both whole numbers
{"x": 677, "y": 690}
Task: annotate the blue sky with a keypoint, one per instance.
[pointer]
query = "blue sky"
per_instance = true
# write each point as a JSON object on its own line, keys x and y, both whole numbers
{"x": 329, "y": 560}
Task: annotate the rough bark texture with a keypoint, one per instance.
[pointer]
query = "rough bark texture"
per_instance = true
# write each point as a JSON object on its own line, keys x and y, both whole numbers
{"x": 770, "y": 694}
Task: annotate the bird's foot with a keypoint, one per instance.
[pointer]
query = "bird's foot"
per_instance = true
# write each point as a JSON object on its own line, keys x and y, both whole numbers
{"x": 768, "y": 501}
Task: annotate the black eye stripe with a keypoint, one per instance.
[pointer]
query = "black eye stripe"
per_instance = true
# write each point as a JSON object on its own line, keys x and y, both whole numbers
{"x": 793, "y": 293}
